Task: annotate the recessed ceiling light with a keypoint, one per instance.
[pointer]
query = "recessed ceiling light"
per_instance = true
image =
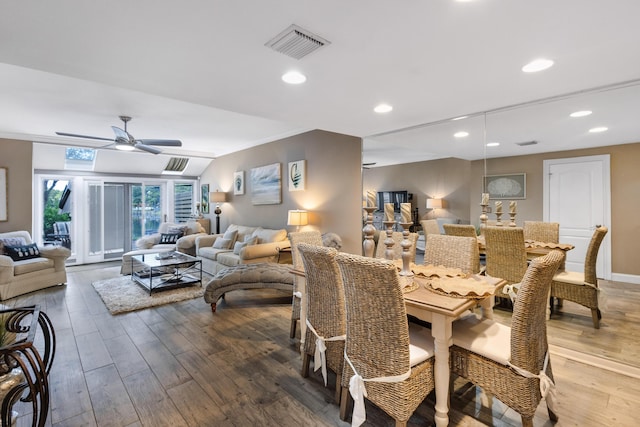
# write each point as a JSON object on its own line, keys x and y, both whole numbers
{"x": 461, "y": 134}
{"x": 580, "y": 113}
{"x": 383, "y": 108}
{"x": 492, "y": 144}
{"x": 537, "y": 65}
{"x": 294, "y": 77}
{"x": 459, "y": 118}
{"x": 598, "y": 129}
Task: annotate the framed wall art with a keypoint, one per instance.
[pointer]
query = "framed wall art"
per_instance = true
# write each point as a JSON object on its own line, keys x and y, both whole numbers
{"x": 204, "y": 198}
{"x": 3, "y": 195}
{"x": 238, "y": 183}
{"x": 266, "y": 185}
{"x": 297, "y": 175}
{"x": 512, "y": 186}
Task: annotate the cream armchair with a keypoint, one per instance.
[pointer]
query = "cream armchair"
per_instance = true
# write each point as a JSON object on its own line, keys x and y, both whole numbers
{"x": 185, "y": 244}
{"x": 32, "y": 274}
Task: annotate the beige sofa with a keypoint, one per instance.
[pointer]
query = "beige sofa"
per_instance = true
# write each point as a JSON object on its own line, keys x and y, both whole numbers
{"x": 28, "y": 275}
{"x": 268, "y": 243}
{"x": 186, "y": 244}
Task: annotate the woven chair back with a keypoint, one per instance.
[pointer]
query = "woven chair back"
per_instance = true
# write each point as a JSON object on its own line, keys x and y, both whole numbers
{"x": 452, "y": 251}
{"x": 528, "y": 323}
{"x": 590, "y": 275}
{"x": 430, "y": 226}
{"x": 462, "y": 230}
{"x": 506, "y": 256}
{"x": 397, "y": 248}
{"x": 548, "y": 232}
{"x": 377, "y": 330}
{"x": 324, "y": 299}
{"x": 309, "y": 237}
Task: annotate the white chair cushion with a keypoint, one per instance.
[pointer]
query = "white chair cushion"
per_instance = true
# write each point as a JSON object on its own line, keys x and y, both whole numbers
{"x": 484, "y": 337}
{"x": 572, "y": 277}
{"x": 420, "y": 344}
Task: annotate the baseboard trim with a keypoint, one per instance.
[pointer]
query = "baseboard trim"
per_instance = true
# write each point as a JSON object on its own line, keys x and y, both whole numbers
{"x": 598, "y": 362}
{"x": 627, "y": 278}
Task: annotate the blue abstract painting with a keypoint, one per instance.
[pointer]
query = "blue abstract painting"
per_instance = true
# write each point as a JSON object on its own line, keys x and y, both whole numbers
{"x": 266, "y": 185}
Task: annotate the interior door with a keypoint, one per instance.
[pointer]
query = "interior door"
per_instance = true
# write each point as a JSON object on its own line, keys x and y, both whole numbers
{"x": 577, "y": 195}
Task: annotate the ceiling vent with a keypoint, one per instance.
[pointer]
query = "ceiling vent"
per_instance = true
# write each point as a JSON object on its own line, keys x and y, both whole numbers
{"x": 296, "y": 42}
{"x": 524, "y": 144}
{"x": 176, "y": 166}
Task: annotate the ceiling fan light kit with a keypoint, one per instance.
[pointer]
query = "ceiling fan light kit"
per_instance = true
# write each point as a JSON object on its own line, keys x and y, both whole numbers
{"x": 126, "y": 142}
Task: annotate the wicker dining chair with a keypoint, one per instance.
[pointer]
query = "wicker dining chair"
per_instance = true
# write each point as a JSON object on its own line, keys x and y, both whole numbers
{"x": 326, "y": 319}
{"x": 397, "y": 376}
{"x": 506, "y": 256}
{"x": 309, "y": 237}
{"x": 397, "y": 248}
{"x": 430, "y": 226}
{"x": 509, "y": 362}
{"x": 582, "y": 287}
{"x": 539, "y": 231}
{"x": 453, "y": 251}
{"x": 462, "y": 230}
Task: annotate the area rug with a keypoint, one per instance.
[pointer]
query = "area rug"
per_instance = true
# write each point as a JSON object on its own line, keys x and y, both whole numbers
{"x": 121, "y": 295}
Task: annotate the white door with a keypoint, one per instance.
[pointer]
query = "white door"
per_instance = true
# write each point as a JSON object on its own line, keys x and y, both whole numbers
{"x": 577, "y": 195}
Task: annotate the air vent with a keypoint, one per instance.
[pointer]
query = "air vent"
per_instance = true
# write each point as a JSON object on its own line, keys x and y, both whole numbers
{"x": 176, "y": 166}
{"x": 524, "y": 144}
{"x": 296, "y": 42}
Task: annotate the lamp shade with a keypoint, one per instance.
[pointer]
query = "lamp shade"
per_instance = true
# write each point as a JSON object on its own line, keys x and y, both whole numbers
{"x": 298, "y": 217}
{"x": 434, "y": 203}
{"x": 218, "y": 197}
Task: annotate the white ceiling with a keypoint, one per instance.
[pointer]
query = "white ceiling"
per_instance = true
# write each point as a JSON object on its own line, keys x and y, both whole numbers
{"x": 199, "y": 72}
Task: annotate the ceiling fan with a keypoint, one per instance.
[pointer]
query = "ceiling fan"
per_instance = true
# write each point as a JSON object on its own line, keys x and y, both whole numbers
{"x": 125, "y": 141}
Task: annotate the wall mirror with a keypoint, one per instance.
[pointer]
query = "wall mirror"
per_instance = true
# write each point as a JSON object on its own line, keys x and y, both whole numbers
{"x": 536, "y": 127}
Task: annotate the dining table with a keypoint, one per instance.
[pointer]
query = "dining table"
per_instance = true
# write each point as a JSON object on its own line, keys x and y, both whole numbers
{"x": 533, "y": 248}
{"x": 426, "y": 301}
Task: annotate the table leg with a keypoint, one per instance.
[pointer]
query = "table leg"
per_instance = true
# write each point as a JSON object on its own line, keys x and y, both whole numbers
{"x": 486, "y": 305}
{"x": 441, "y": 332}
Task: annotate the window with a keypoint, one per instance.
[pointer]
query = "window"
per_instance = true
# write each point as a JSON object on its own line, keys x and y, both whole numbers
{"x": 79, "y": 158}
{"x": 183, "y": 201}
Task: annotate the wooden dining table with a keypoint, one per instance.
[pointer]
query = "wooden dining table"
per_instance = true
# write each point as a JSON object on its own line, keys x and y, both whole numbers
{"x": 441, "y": 311}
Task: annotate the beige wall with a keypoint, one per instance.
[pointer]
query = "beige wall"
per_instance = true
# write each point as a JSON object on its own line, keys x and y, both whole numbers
{"x": 333, "y": 185}
{"x": 16, "y": 157}
{"x": 625, "y": 195}
{"x": 447, "y": 179}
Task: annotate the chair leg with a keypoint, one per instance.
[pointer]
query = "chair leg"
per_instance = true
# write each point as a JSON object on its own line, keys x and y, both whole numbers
{"x": 401, "y": 423}
{"x": 596, "y": 318}
{"x": 338, "y": 388}
{"x": 527, "y": 422}
{"x": 345, "y": 402}
{"x": 306, "y": 360}
{"x": 213, "y": 307}
{"x": 292, "y": 331}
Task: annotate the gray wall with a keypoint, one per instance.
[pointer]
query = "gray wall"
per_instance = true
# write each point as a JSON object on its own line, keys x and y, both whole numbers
{"x": 16, "y": 157}
{"x": 333, "y": 185}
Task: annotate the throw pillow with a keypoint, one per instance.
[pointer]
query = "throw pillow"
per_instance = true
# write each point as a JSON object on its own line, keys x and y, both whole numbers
{"x": 248, "y": 241}
{"x": 222, "y": 243}
{"x": 182, "y": 230}
{"x": 11, "y": 241}
{"x": 19, "y": 253}
{"x": 230, "y": 235}
{"x": 169, "y": 238}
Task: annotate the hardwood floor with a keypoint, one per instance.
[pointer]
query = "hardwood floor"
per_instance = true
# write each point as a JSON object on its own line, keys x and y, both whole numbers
{"x": 182, "y": 365}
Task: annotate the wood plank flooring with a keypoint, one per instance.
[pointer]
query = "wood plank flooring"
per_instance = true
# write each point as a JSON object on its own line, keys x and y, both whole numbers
{"x": 182, "y": 365}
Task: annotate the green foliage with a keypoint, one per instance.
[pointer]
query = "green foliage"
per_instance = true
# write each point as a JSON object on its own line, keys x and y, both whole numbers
{"x": 51, "y": 212}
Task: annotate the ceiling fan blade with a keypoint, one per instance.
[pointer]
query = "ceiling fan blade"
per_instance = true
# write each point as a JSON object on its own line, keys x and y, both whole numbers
{"x": 83, "y": 136}
{"x": 120, "y": 133}
{"x": 162, "y": 142}
{"x": 148, "y": 148}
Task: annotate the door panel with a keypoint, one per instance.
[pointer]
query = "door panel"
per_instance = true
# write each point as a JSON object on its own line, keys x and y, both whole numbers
{"x": 577, "y": 197}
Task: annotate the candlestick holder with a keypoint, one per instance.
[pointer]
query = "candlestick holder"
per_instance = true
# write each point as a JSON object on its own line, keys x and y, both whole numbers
{"x": 498, "y": 219}
{"x": 368, "y": 245}
{"x": 512, "y": 222}
{"x": 389, "y": 242}
{"x": 483, "y": 215}
{"x": 406, "y": 246}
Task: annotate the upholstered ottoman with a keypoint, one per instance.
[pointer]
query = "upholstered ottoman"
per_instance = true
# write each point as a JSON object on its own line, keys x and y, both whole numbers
{"x": 248, "y": 276}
